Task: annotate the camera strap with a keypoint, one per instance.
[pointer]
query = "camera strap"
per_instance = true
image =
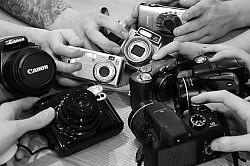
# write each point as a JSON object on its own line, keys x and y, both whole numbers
{"x": 140, "y": 152}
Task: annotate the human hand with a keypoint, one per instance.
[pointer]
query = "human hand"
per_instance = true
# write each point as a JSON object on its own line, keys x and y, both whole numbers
{"x": 207, "y": 20}
{"x": 12, "y": 129}
{"x": 87, "y": 25}
{"x": 187, "y": 49}
{"x": 56, "y": 44}
{"x": 225, "y": 51}
{"x": 237, "y": 109}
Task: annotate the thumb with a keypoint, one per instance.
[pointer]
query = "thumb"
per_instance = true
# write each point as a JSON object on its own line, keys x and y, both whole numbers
{"x": 35, "y": 122}
{"x": 231, "y": 143}
{"x": 188, "y": 3}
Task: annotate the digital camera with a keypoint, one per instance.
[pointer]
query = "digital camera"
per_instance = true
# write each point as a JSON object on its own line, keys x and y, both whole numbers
{"x": 160, "y": 18}
{"x": 25, "y": 69}
{"x": 167, "y": 139}
{"x": 229, "y": 74}
{"x": 83, "y": 118}
{"x": 98, "y": 66}
{"x": 139, "y": 47}
{"x": 155, "y": 80}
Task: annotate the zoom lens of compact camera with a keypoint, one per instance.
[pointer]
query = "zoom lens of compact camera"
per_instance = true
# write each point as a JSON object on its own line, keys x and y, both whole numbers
{"x": 168, "y": 22}
{"x": 104, "y": 71}
{"x": 138, "y": 50}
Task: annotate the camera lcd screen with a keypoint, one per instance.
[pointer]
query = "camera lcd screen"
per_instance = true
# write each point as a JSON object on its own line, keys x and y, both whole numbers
{"x": 138, "y": 50}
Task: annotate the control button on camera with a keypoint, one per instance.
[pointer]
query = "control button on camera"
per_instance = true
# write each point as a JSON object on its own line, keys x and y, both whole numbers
{"x": 198, "y": 121}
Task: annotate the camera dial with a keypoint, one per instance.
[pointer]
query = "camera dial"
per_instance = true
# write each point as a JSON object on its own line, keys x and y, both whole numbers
{"x": 197, "y": 121}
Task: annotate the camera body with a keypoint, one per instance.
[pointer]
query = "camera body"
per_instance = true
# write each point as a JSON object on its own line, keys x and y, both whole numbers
{"x": 97, "y": 66}
{"x": 139, "y": 47}
{"x": 81, "y": 120}
{"x": 160, "y": 18}
{"x": 229, "y": 74}
{"x": 174, "y": 141}
{"x": 25, "y": 69}
{"x": 156, "y": 80}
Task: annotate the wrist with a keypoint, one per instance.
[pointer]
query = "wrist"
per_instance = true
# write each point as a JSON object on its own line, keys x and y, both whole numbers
{"x": 64, "y": 20}
{"x": 241, "y": 11}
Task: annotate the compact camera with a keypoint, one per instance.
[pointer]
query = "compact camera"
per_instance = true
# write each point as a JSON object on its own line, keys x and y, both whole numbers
{"x": 98, "y": 66}
{"x": 25, "y": 69}
{"x": 229, "y": 74}
{"x": 155, "y": 80}
{"x": 159, "y": 18}
{"x": 83, "y": 118}
{"x": 139, "y": 47}
{"x": 167, "y": 139}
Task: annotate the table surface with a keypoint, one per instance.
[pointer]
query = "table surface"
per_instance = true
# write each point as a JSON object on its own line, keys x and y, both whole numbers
{"x": 119, "y": 150}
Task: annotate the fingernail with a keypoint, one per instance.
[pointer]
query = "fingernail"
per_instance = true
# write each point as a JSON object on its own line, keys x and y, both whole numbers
{"x": 154, "y": 56}
{"x": 177, "y": 31}
{"x": 79, "y": 53}
{"x": 124, "y": 34}
{"x": 116, "y": 50}
{"x": 50, "y": 112}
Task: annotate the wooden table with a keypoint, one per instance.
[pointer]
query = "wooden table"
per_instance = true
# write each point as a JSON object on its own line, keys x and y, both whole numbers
{"x": 119, "y": 150}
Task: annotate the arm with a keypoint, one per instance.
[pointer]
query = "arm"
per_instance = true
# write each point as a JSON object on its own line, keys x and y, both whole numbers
{"x": 57, "y": 14}
{"x": 38, "y": 13}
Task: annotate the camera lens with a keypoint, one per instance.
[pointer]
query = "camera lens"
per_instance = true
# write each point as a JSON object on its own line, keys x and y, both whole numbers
{"x": 104, "y": 71}
{"x": 186, "y": 87}
{"x": 164, "y": 87}
{"x": 29, "y": 71}
{"x": 79, "y": 113}
{"x": 136, "y": 120}
{"x": 168, "y": 22}
{"x": 138, "y": 51}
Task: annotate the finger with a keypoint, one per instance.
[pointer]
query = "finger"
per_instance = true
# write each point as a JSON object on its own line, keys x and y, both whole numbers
{"x": 71, "y": 38}
{"x": 221, "y": 108}
{"x": 168, "y": 49}
{"x": 67, "y": 81}
{"x": 196, "y": 35}
{"x": 230, "y": 100}
{"x": 68, "y": 67}
{"x": 206, "y": 39}
{"x": 188, "y": 3}
{"x": 193, "y": 12}
{"x": 188, "y": 27}
{"x": 35, "y": 122}
{"x": 25, "y": 140}
{"x": 11, "y": 110}
{"x": 214, "y": 48}
{"x": 112, "y": 25}
{"x": 231, "y": 143}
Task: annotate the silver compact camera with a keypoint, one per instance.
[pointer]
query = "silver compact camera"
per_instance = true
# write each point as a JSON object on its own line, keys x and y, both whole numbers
{"x": 139, "y": 47}
{"x": 159, "y": 18}
{"x": 98, "y": 66}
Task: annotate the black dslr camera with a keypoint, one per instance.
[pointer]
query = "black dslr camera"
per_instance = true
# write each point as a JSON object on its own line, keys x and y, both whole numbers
{"x": 155, "y": 80}
{"x": 25, "y": 69}
{"x": 229, "y": 74}
{"x": 167, "y": 139}
{"x": 82, "y": 119}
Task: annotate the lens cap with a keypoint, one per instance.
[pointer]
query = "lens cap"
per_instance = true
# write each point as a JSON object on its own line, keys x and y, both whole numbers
{"x": 29, "y": 71}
